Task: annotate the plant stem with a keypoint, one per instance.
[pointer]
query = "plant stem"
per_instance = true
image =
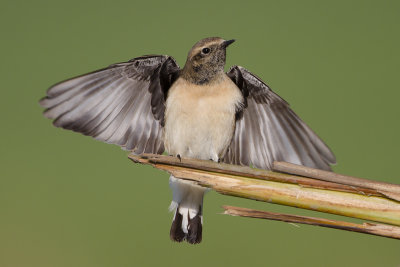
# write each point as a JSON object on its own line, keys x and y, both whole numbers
{"x": 281, "y": 188}
{"x": 366, "y": 228}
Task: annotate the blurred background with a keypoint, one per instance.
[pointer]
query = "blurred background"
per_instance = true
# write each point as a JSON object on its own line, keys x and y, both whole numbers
{"x": 68, "y": 200}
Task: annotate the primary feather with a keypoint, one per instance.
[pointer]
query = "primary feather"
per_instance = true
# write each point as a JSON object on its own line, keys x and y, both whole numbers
{"x": 123, "y": 104}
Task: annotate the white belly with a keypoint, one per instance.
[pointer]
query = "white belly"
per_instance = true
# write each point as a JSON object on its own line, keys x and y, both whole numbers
{"x": 200, "y": 119}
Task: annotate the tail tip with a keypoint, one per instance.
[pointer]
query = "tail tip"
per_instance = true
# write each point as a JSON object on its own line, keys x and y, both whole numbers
{"x": 176, "y": 233}
{"x": 194, "y": 229}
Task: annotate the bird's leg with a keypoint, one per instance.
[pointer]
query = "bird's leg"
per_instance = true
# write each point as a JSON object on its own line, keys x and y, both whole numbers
{"x": 179, "y": 157}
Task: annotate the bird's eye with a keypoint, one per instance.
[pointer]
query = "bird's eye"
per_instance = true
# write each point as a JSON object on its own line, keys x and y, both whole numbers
{"x": 205, "y": 50}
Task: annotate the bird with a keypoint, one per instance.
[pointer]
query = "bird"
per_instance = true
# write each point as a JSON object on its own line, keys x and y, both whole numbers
{"x": 150, "y": 105}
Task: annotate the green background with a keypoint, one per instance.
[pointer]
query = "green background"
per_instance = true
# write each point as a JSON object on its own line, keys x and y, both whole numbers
{"x": 67, "y": 200}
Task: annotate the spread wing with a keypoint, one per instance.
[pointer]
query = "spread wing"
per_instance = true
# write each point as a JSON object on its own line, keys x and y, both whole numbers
{"x": 122, "y": 104}
{"x": 268, "y": 130}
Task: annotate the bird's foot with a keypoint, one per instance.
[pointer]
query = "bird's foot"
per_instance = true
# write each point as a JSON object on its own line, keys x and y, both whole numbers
{"x": 216, "y": 160}
{"x": 179, "y": 157}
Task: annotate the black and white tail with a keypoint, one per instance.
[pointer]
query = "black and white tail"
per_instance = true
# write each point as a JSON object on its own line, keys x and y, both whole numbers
{"x": 188, "y": 204}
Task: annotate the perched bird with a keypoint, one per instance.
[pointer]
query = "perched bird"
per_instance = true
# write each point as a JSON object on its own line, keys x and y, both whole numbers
{"x": 149, "y": 104}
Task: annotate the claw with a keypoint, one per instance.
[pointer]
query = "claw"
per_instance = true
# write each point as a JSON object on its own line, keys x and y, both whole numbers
{"x": 218, "y": 160}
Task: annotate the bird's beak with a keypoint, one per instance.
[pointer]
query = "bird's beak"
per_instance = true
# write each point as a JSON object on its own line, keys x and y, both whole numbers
{"x": 225, "y": 44}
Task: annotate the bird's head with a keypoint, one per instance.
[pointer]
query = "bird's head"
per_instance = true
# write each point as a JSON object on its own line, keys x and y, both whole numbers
{"x": 206, "y": 60}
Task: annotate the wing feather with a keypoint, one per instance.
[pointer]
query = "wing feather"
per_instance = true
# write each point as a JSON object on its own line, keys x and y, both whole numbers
{"x": 267, "y": 130}
{"x": 122, "y": 104}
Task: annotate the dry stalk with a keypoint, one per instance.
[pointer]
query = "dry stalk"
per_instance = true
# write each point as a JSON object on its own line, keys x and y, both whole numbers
{"x": 365, "y": 228}
{"x": 327, "y": 193}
